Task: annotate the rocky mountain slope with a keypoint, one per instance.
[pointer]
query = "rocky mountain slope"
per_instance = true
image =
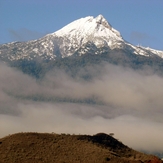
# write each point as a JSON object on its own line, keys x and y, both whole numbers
{"x": 101, "y": 148}
{"x": 86, "y": 41}
{"x": 83, "y": 36}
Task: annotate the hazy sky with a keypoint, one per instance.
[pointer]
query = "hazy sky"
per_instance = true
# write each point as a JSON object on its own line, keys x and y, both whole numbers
{"x": 139, "y": 21}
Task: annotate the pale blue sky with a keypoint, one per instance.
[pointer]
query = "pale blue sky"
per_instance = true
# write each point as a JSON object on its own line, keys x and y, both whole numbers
{"x": 139, "y": 21}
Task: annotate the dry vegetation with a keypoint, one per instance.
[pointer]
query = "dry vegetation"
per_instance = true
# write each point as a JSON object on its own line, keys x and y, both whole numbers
{"x": 65, "y": 148}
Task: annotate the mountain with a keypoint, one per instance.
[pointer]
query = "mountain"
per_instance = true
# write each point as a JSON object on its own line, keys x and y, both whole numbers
{"x": 37, "y": 147}
{"x": 85, "y": 35}
{"x": 83, "y": 42}
{"x": 84, "y": 49}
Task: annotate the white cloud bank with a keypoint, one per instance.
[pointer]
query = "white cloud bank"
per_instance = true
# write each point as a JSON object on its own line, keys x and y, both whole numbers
{"x": 132, "y": 104}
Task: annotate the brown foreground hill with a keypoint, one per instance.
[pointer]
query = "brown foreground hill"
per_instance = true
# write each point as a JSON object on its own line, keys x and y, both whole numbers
{"x": 65, "y": 148}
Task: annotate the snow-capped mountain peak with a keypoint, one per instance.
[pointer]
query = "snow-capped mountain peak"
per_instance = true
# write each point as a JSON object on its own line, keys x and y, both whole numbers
{"x": 96, "y": 31}
{"x": 89, "y": 35}
{"x": 90, "y": 26}
{"x": 101, "y": 20}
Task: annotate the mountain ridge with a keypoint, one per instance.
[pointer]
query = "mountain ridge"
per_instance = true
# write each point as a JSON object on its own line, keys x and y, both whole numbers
{"x": 82, "y": 36}
{"x": 84, "y": 41}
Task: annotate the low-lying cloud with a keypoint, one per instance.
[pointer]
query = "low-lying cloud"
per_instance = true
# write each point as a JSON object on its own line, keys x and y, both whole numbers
{"x": 127, "y": 102}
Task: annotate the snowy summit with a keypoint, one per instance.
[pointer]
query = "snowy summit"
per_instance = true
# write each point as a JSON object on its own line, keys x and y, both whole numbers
{"x": 89, "y": 29}
{"x": 87, "y": 35}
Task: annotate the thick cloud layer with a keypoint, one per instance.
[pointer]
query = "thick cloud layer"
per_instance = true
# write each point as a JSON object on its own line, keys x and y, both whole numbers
{"x": 126, "y": 102}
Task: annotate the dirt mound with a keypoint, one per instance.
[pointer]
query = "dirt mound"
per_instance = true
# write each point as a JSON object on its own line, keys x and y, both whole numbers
{"x": 65, "y": 148}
